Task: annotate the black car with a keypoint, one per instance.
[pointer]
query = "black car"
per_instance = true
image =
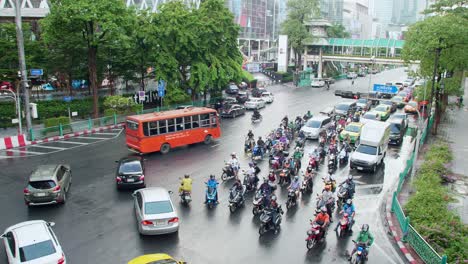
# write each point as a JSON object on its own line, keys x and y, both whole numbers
{"x": 397, "y": 131}
{"x": 130, "y": 173}
{"x": 232, "y": 89}
{"x": 257, "y": 92}
{"x": 242, "y": 97}
{"x": 232, "y": 110}
{"x": 392, "y": 105}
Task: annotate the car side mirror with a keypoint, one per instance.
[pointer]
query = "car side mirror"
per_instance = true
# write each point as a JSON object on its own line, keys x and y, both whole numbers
{"x": 170, "y": 192}
{"x": 51, "y": 224}
{"x": 134, "y": 194}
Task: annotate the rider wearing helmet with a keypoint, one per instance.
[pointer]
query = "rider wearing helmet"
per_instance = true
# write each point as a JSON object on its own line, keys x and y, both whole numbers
{"x": 297, "y": 155}
{"x": 250, "y": 135}
{"x": 364, "y": 238}
{"x": 261, "y": 144}
{"x": 295, "y": 186}
{"x": 265, "y": 188}
{"x": 185, "y": 184}
{"x": 213, "y": 183}
{"x": 234, "y": 163}
{"x": 327, "y": 196}
{"x": 349, "y": 209}
{"x": 256, "y": 114}
{"x": 322, "y": 219}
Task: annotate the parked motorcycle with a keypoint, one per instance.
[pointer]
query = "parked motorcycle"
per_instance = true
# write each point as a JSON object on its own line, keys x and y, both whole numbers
{"x": 270, "y": 221}
{"x": 228, "y": 172}
{"x": 360, "y": 256}
{"x": 314, "y": 234}
{"x": 185, "y": 197}
{"x": 236, "y": 199}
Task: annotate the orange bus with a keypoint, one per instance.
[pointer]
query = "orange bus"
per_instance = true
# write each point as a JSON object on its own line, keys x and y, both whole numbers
{"x": 161, "y": 131}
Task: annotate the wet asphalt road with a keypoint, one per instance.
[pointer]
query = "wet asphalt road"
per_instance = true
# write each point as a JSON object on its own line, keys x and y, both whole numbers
{"x": 97, "y": 225}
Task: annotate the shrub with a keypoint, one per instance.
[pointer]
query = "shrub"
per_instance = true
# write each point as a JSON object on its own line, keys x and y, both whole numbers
{"x": 119, "y": 105}
{"x": 55, "y": 121}
{"x": 175, "y": 95}
{"x": 247, "y": 76}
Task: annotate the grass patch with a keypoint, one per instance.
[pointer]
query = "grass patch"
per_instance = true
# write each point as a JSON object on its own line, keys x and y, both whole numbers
{"x": 427, "y": 208}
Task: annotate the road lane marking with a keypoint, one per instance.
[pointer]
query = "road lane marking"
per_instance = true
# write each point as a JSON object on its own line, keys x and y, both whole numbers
{"x": 215, "y": 145}
{"x": 73, "y": 142}
{"x": 105, "y": 133}
{"x": 26, "y": 151}
{"x": 48, "y": 147}
{"x": 368, "y": 186}
{"x": 93, "y": 137}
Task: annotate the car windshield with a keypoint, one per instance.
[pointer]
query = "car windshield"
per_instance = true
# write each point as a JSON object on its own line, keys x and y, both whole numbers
{"x": 397, "y": 98}
{"x": 42, "y": 185}
{"x": 367, "y": 149}
{"x": 381, "y": 108}
{"x": 37, "y": 250}
{"x": 395, "y": 128}
{"x": 314, "y": 124}
{"x": 160, "y": 207}
{"x": 352, "y": 128}
{"x": 343, "y": 107}
{"x": 362, "y": 101}
{"x": 386, "y": 102}
{"x": 130, "y": 167}
{"x": 370, "y": 116}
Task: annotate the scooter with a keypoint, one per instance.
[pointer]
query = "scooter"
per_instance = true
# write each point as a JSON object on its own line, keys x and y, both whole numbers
{"x": 211, "y": 193}
{"x": 228, "y": 172}
{"x": 268, "y": 223}
{"x": 314, "y": 234}
{"x": 307, "y": 184}
{"x": 185, "y": 197}
{"x": 284, "y": 176}
{"x": 236, "y": 199}
{"x": 292, "y": 199}
{"x": 249, "y": 182}
{"x": 343, "y": 157}
{"x": 360, "y": 256}
{"x": 257, "y": 153}
{"x": 344, "y": 226}
{"x": 258, "y": 203}
{"x": 331, "y": 163}
{"x": 343, "y": 195}
{"x": 255, "y": 119}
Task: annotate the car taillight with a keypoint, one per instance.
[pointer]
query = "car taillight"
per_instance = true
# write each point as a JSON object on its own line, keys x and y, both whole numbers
{"x": 142, "y": 177}
{"x": 118, "y": 179}
{"x": 56, "y": 188}
{"x": 173, "y": 220}
{"x": 61, "y": 260}
{"x": 146, "y": 222}
{"x": 26, "y": 191}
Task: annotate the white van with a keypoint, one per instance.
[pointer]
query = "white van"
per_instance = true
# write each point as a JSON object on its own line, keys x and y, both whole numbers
{"x": 373, "y": 143}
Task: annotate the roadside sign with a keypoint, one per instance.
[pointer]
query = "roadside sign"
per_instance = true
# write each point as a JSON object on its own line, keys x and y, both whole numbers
{"x": 161, "y": 88}
{"x": 382, "y": 88}
{"x": 15, "y": 121}
{"x": 37, "y": 72}
{"x": 67, "y": 98}
{"x": 141, "y": 96}
{"x": 74, "y": 114}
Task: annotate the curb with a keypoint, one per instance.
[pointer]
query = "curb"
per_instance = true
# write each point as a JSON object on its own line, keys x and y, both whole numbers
{"x": 393, "y": 228}
{"x": 76, "y": 134}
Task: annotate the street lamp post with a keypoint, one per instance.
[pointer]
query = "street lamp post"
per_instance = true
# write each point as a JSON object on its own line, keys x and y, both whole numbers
{"x": 10, "y": 94}
{"x": 370, "y": 76}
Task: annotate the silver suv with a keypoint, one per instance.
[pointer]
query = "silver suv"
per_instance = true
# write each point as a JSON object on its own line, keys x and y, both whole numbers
{"x": 48, "y": 184}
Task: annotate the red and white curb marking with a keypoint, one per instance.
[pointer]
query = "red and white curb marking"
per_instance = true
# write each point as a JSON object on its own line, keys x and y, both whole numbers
{"x": 395, "y": 235}
{"x": 76, "y": 134}
{"x": 13, "y": 142}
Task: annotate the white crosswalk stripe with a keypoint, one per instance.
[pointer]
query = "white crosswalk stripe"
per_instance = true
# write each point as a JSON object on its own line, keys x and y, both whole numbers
{"x": 48, "y": 147}
{"x": 92, "y": 137}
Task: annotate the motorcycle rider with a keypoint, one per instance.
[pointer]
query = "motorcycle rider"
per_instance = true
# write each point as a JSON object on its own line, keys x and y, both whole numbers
{"x": 253, "y": 172}
{"x": 309, "y": 171}
{"x": 185, "y": 184}
{"x": 213, "y": 183}
{"x": 239, "y": 187}
{"x": 307, "y": 115}
{"x": 301, "y": 134}
{"x": 295, "y": 186}
{"x": 261, "y": 145}
{"x": 256, "y": 114}
{"x": 327, "y": 196}
{"x": 250, "y": 135}
{"x": 364, "y": 238}
{"x": 351, "y": 186}
{"x": 324, "y": 219}
{"x": 285, "y": 121}
{"x": 331, "y": 179}
{"x": 348, "y": 208}
{"x": 274, "y": 207}
{"x": 234, "y": 163}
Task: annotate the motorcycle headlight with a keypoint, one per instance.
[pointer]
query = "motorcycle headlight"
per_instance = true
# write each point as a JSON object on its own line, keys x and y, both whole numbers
{"x": 309, "y": 232}
{"x": 317, "y": 231}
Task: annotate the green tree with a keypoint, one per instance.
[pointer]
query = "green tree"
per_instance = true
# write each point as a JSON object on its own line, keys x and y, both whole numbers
{"x": 442, "y": 7}
{"x": 299, "y": 11}
{"x": 94, "y": 23}
{"x": 337, "y": 31}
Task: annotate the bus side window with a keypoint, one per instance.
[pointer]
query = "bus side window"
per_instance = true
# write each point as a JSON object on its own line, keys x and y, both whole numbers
{"x": 162, "y": 127}
{"x": 213, "y": 119}
{"x": 179, "y": 123}
{"x": 153, "y": 127}
{"x": 146, "y": 132}
{"x": 188, "y": 122}
{"x": 195, "y": 121}
{"x": 205, "y": 120}
{"x": 170, "y": 125}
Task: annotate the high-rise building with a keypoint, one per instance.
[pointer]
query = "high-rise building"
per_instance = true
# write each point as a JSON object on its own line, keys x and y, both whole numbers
{"x": 332, "y": 10}
{"x": 404, "y": 11}
{"x": 382, "y": 10}
{"x": 356, "y": 18}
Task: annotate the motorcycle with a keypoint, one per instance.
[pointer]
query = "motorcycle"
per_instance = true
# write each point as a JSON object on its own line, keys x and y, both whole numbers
{"x": 307, "y": 184}
{"x": 314, "y": 163}
{"x": 343, "y": 157}
{"x": 257, "y": 153}
{"x": 300, "y": 142}
{"x": 292, "y": 199}
{"x": 250, "y": 182}
{"x": 284, "y": 176}
{"x": 331, "y": 163}
{"x": 360, "y": 256}
{"x": 321, "y": 203}
{"x": 268, "y": 223}
{"x": 258, "y": 203}
{"x": 256, "y": 119}
{"x": 248, "y": 145}
{"x": 211, "y": 192}
{"x": 314, "y": 234}
{"x": 331, "y": 183}
{"x": 228, "y": 172}
{"x": 236, "y": 199}
{"x": 185, "y": 197}
{"x": 321, "y": 154}
{"x": 344, "y": 226}
{"x": 343, "y": 195}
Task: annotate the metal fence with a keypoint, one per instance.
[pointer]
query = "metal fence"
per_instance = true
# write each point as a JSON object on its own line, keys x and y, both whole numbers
{"x": 89, "y": 124}
{"x": 410, "y": 235}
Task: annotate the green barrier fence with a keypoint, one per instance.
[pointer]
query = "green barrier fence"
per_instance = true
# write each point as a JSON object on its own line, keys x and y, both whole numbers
{"x": 410, "y": 235}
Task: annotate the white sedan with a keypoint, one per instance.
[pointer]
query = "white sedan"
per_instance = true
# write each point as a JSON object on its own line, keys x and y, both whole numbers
{"x": 316, "y": 82}
{"x": 254, "y": 103}
{"x": 268, "y": 97}
{"x": 32, "y": 242}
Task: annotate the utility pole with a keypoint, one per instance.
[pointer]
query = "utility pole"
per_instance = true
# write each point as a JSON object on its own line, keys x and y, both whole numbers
{"x": 22, "y": 64}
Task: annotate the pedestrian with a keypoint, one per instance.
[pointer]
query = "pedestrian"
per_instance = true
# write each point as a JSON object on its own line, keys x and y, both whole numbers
{"x": 352, "y": 82}
{"x": 460, "y": 101}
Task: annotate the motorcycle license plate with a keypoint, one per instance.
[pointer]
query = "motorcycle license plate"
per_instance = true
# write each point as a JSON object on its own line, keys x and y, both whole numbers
{"x": 359, "y": 168}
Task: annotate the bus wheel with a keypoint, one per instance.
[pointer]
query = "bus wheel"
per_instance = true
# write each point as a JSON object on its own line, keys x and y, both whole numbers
{"x": 165, "y": 148}
{"x": 207, "y": 140}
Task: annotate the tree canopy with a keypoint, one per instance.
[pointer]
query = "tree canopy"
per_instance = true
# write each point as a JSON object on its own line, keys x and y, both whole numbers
{"x": 337, "y": 31}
